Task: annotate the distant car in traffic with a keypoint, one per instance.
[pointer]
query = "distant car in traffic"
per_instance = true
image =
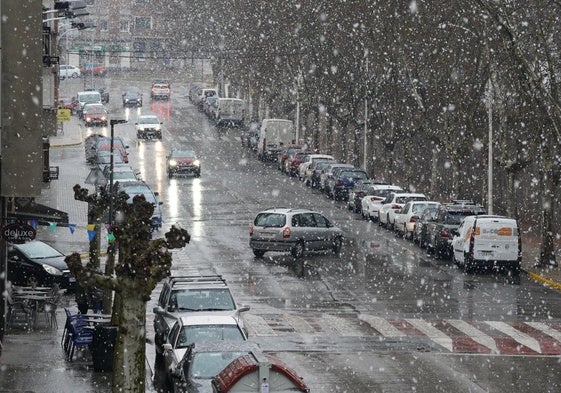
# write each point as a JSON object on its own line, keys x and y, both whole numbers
{"x": 68, "y": 71}
{"x": 148, "y": 127}
{"x": 132, "y": 99}
{"x": 294, "y": 230}
{"x": 183, "y": 161}
{"x": 36, "y": 263}
{"x": 95, "y": 115}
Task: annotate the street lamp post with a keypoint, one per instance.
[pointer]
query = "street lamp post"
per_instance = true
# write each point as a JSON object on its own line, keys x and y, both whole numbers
{"x": 110, "y": 263}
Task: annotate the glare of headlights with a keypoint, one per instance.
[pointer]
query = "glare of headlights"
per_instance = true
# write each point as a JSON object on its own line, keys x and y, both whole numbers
{"x": 196, "y": 163}
{"x": 172, "y": 162}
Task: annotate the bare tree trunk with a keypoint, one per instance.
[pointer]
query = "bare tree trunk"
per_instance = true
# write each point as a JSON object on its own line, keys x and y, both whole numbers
{"x": 547, "y": 183}
{"x": 129, "y": 372}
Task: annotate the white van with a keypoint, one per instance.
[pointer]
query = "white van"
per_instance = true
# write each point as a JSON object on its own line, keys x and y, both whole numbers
{"x": 229, "y": 112}
{"x": 489, "y": 242}
{"x": 273, "y": 135}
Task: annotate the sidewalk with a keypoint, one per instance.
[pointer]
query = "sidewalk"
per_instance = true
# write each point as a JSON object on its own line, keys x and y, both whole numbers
{"x": 33, "y": 361}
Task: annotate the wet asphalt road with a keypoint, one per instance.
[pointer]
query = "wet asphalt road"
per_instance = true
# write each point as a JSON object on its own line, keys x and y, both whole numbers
{"x": 383, "y": 317}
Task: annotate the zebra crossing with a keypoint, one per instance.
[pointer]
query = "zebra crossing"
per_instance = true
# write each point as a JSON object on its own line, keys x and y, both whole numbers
{"x": 229, "y": 137}
{"x": 450, "y": 335}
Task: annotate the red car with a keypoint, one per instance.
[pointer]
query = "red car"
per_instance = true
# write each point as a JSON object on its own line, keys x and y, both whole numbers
{"x": 95, "y": 115}
{"x": 294, "y": 160}
{"x": 285, "y": 152}
{"x": 97, "y": 70}
{"x": 68, "y": 103}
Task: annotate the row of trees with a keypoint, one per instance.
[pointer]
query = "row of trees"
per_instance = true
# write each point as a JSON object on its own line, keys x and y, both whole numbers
{"x": 429, "y": 78}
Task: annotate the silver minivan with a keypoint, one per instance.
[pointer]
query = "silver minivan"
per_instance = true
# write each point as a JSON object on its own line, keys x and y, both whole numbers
{"x": 294, "y": 230}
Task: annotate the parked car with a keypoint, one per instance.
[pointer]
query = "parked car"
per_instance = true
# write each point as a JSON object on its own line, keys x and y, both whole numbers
{"x": 193, "y": 329}
{"x": 420, "y": 235}
{"x": 407, "y": 217}
{"x": 191, "y": 295}
{"x": 311, "y": 158}
{"x": 294, "y": 160}
{"x": 203, "y": 361}
{"x": 96, "y": 70}
{"x": 98, "y": 142}
{"x": 194, "y": 87}
{"x": 132, "y": 99}
{"x": 284, "y": 153}
{"x": 250, "y": 135}
{"x": 294, "y": 230}
{"x": 274, "y": 134}
{"x": 488, "y": 243}
{"x": 374, "y": 198}
{"x": 95, "y": 115}
{"x": 183, "y": 161}
{"x": 68, "y": 71}
{"x": 229, "y": 112}
{"x": 208, "y": 104}
{"x": 358, "y": 192}
{"x": 104, "y": 95}
{"x": 103, "y": 158}
{"x": 448, "y": 218}
{"x": 36, "y": 263}
{"x": 313, "y": 172}
{"x": 121, "y": 173}
{"x": 204, "y": 93}
{"x": 394, "y": 203}
{"x": 327, "y": 175}
{"x": 140, "y": 188}
{"x": 148, "y": 127}
{"x": 345, "y": 179}
{"x": 68, "y": 103}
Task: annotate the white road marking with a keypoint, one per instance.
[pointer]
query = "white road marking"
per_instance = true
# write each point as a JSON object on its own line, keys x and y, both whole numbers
{"x": 342, "y": 326}
{"x": 475, "y": 334}
{"x": 556, "y": 334}
{"x": 433, "y": 333}
{"x": 381, "y": 325}
{"x": 257, "y": 326}
{"x": 517, "y": 335}
{"x": 299, "y": 324}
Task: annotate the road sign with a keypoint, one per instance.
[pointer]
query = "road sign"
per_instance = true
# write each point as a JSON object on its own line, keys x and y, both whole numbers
{"x": 63, "y": 114}
{"x": 18, "y": 233}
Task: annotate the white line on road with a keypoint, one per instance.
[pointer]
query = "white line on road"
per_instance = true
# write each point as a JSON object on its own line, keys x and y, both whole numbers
{"x": 433, "y": 333}
{"x": 475, "y": 334}
{"x": 556, "y": 334}
{"x": 381, "y": 325}
{"x": 517, "y": 335}
{"x": 342, "y": 326}
{"x": 257, "y": 326}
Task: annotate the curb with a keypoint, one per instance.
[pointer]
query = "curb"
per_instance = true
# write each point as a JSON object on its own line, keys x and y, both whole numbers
{"x": 544, "y": 280}
{"x": 78, "y": 143}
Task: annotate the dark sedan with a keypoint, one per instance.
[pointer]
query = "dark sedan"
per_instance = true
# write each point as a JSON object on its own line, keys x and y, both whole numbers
{"x": 132, "y": 99}
{"x": 37, "y": 264}
{"x": 183, "y": 161}
{"x": 345, "y": 181}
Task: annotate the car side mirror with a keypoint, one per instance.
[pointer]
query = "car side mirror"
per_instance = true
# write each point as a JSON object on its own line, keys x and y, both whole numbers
{"x": 243, "y": 308}
{"x": 157, "y": 310}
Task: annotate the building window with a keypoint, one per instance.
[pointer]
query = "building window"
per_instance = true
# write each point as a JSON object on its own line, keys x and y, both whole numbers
{"x": 124, "y": 26}
{"x": 143, "y": 23}
{"x": 103, "y": 25}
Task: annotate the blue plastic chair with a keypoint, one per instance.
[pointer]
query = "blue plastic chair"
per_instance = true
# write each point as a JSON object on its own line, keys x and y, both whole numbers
{"x": 71, "y": 320}
{"x": 79, "y": 336}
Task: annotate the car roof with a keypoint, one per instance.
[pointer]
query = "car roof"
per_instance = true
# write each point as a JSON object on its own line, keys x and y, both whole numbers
{"x": 402, "y": 194}
{"x": 207, "y": 318}
{"x": 225, "y": 346}
{"x": 287, "y": 210}
{"x": 148, "y": 117}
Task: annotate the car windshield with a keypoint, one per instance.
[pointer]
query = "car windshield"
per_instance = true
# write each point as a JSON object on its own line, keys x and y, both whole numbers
{"x": 273, "y": 220}
{"x": 207, "y": 299}
{"x": 160, "y": 86}
{"x": 206, "y": 365}
{"x": 353, "y": 175}
{"x": 200, "y": 333}
{"x": 117, "y": 176}
{"x": 418, "y": 207}
{"x": 38, "y": 250}
{"x": 96, "y": 111}
{"x": 90, "y": 97}
{"x": 148, "y": 120}
{"x": 183, "y": 154}
{"x": 132, "y": 95}
{"x": 455, "y": 218}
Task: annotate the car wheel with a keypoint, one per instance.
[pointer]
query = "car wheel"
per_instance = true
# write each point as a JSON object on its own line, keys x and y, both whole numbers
{"x": 74, "y": 75}
{"x": 258, "y": 253}
{"x": 380, "y": 224}
{"x": 170, "y": 174}
{"x": 337, "y": 246}
{"x": 469, "y": 266}
{"x": 298, "y": 250}
{"x": 389, "y": 225}
{"x": 198, "y": 174}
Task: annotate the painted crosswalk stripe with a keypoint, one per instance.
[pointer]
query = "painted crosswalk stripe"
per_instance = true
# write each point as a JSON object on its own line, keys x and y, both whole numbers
{"x": 517, "y": 335}
{"x": 299, "y": 324}
{"x": 342, "y": 326}
{"x": 475, "y": 334}
{"x": 433, "y": 333}
{"x": 381, "y": 325}
{"x": 257, "y": 326}
{"x": 556, "y": 334}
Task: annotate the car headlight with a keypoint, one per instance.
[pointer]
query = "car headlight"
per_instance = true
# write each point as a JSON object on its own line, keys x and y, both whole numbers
{"x": 197, "y": 163}
{"x": 88, "y": 118}
{"x": 103, "y": 118}
{"x": 52, "y": 270}
{"x": 172, "y": 163}
{"x": 126, "y": 100}
{"x": 157, "y": 128}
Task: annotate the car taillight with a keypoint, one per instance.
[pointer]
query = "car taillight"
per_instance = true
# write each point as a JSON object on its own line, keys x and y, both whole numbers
{"x": 414, "y": 219}
{"x": 376, "y": 199}
{"x": 251, "y": 230}
{"x": 338, "y": 183}
{"x": 471, "y": 244}
{"x": 286, "y": 233}
{"x": 444, "y": 233}
{"x": 396, "y": 207}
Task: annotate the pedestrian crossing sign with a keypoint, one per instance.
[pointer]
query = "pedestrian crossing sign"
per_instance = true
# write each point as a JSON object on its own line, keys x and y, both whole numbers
{"x": 63, "y": 114}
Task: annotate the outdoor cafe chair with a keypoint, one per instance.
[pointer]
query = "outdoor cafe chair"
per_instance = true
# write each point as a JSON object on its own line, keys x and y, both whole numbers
{"x": 79, "y": 336}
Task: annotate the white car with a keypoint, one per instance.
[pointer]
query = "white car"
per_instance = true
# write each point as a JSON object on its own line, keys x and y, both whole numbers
{"x": 148, "y": 127}
{"x": 405, "y": 219}
{"x": 303, "y": 168}
{"x": 372, "y": 201}
{"x": 394, "y": 203}
{"x": 488, "y": 242}
{"x": 68, "y": 71}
